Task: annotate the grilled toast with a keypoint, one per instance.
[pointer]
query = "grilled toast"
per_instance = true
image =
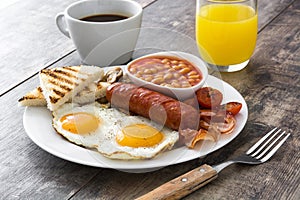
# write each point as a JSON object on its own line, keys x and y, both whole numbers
{"x": 33, "y": 98}
{"x": 93, "y": 92}
{"x": 59, "y": 85}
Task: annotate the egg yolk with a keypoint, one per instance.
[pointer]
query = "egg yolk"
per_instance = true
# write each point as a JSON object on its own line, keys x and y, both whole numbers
{"x": 79, "y": 123}
{"x": 139, "y": 135}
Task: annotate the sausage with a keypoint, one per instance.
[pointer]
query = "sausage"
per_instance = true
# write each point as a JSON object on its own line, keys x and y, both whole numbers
{"x": 153, "y": 105}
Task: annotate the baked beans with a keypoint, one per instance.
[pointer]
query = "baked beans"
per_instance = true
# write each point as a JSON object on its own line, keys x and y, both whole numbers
{"x": 166, "y": 71}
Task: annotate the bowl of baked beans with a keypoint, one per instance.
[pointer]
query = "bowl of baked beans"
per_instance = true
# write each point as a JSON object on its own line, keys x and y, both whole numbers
{"x": 176, "y": 74}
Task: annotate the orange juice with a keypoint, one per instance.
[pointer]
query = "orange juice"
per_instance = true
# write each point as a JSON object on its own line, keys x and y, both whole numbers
{"x": 226, "y": 33}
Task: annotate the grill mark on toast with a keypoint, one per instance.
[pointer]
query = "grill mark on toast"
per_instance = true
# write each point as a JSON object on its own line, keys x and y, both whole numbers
{"x": 64, "y": 72}
{"x": 66, "y": 76}
{"x": 63, "y": 87}
{"x": 71, "y": 68}
{"x": 77, "y": 69}
{"x": 32, "y": 95}
{"x": 66, "y": 88}
{"x": 39, "y": 89}
{"x": 28, "y": 97}
{"x": 63, "y": 80}
{"x": 22, "y": 99}
{"x": 59, "y": 77}
{"x": 59, "y": 94}
{"x": 53, "y": 100}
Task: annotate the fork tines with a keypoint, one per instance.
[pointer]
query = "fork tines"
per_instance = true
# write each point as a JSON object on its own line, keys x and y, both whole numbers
{"x": 268, "y": 145}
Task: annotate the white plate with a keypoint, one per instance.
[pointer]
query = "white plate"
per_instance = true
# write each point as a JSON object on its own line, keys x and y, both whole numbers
{"x": 38, "y": 125}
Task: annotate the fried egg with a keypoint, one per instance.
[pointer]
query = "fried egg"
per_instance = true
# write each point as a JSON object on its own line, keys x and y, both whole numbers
{"x": 114, "y": 134}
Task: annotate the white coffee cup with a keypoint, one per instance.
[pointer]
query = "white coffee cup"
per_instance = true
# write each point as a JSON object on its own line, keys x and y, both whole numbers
{"x": 102, "y": 43}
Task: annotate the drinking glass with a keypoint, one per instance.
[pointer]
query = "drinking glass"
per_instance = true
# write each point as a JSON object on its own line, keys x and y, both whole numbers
{"x": 226, "y": 32}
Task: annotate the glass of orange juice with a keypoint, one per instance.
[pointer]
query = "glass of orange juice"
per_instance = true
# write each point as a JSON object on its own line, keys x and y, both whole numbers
{"x": 226, "y": 32}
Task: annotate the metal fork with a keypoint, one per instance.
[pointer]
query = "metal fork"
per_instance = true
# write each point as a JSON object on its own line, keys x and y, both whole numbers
{"x": 185, "y": 184}
{"x": 261, "y": 151}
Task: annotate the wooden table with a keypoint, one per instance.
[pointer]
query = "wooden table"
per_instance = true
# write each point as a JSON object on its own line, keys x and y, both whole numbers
{"x": 270, "y": 85}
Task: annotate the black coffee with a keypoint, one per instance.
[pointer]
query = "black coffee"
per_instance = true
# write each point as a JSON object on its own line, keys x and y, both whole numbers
{"x": 103, "y": 18}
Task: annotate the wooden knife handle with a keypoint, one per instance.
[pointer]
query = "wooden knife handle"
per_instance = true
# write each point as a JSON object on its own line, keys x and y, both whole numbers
{"x": 183, "y": 185}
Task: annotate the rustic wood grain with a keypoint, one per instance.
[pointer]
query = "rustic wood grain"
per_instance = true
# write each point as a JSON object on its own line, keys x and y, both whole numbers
{"x": 30, "y": 40}
{"x": 270, "y": 85}
{"x": 168, "y": 26}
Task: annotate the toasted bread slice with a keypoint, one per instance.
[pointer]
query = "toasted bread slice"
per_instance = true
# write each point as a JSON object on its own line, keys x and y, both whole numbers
{"x": 33, "y": 98}
{"x": 93, "y": 92}
{"x": 62, "y": 84}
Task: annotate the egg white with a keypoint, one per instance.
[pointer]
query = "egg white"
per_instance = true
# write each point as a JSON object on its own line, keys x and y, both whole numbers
{"x": 103, "y": 139}
{"x": 89, "y": 139}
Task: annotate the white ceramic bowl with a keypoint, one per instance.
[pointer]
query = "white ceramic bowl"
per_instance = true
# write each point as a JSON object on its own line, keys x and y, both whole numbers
{"x": 178, "y": 93}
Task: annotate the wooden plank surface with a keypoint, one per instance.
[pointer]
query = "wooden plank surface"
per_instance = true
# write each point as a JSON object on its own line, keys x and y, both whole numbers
{"x": 28, "y": 172}
{"x": 30, "y": 40}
